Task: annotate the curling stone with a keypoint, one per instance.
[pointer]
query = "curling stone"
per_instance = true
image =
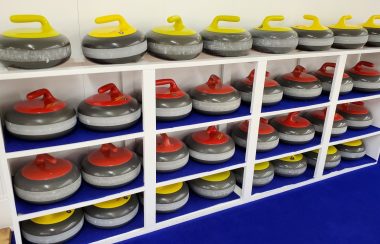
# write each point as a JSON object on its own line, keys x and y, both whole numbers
{"x": 47, "y": 180}
{"x": 318, "y": 117}
{"x": 226, "y": 42}
{"x": 109, "y": 110}
{"x": 175, "y": 42}
{"x": 172, "y": 154}
{"x": 291, "y": 166}
{"x": 365, "y": 77}
{"x": 171, "y": 102}
{"x": 263, "y": 174}
{"x": 373, "y": 31}
{"x": 333, "y": 157}
{"x": 268, "y": 137}
{"x": 270, "y": 39}
{"x": 40, "y": 119}
{"x": 273, "y": 92}
{"x": 110, "y": 166}
{"x": 293, "y": 129}
{"x": 33, "y": 48}
{"x": 352, "y": 150}
{"x": 300, "y": 85}
{"x": 314, "y": 37}
{"x": 214, "y": 186}
{"x": 171, "y": 197}
{"x": 53, "y": 228}
{"x": 348, "y": 36}
{"x": 214, "y": 98}
{"x": 114, "y": 44}
{"x": 113, "y": 213}
{"x": 356, "y": 114}
{"x": 210, "y": 146}
{"x": 326, "y": 75}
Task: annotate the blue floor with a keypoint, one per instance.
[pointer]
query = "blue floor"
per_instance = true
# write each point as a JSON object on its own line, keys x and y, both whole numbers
{"x": 343, "y": 210}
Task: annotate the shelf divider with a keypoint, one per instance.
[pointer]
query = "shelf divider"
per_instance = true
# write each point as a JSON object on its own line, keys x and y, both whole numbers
{"x": 334, "y": 96}
{"x": 253, "y": 129}
{"x": 149, "y": 128}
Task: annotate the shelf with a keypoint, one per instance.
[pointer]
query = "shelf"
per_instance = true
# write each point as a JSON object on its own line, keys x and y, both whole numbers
{"x": 288, "y": 105}
{"x": 196, "y": 119}
{"x": 283, "y": 149}
{"x": 358, "y": 96}
{"x": 194, "y": 169}
{"x": 195, "y": 203}
{"x": 351, "y": 135}
{"x": 79, "y": 135}
{"x": 86, "y": 195}
{"x": 347, "y": 164}
{"x": 90, "y": 233}
{"x": 78, "y": 67}
{"x": 279, "y": 181}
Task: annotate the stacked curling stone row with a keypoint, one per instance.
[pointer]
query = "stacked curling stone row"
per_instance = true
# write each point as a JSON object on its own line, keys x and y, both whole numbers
{"x": 209, "y": 146}
{"x": 172, "y": 197}
{"x": 296, "y": 165}
{"x": 42, "y": 116}
{"x": 44, "y": 47}
{"x": 212, "y": 98}
{"x": 47, "y": 179}
{"x": 61, "y": 227}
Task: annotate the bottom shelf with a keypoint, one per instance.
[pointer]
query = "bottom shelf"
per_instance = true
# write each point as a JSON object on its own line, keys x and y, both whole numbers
{"x": 90, "y": 233}
{"x": 280, "y": 181}
{"x": 347, "y": 164}
{"x": 195, "y": 203}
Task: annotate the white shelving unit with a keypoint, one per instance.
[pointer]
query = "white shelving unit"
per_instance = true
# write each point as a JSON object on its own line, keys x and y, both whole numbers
{"x": 14, "y": 153}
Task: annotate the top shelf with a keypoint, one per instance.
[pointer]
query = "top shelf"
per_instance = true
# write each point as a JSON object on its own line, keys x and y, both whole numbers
{"x": 78, "y": 67}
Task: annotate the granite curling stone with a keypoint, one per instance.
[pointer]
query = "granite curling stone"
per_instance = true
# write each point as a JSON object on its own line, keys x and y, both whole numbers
{"x": 172, "y": 197}
{"x": 318, "y": 118}
{"x": 352, "y": 150}
{"x": 263, "y": 174}
{"x": 332, "y": 160}
{"x": 291, "y": 166}
{"x": 326, "y": 75}
{"x": 348, "y": 36}
{"x": 356, "y": 114}
{"x": 171, "y": 153}
{"x": 365, "y": 77}
{"x": 214, "y": 186}
{"x": 110, "y": 166}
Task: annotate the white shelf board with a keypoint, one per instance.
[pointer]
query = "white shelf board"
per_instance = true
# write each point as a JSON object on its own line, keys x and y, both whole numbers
{"x": 354, "y": 138}
{"x": 365, "y": 98}
{"x": 287, "y": 154}
{"x": 22, "y": 217}
{"x": 201, "y": 125}
{"x": 265, "y": 194}
{"x": 78, "y": 67}
{"x": 72, "y": 146}
{"x": 199, "y": 175}
{"x": 285, "y": 111}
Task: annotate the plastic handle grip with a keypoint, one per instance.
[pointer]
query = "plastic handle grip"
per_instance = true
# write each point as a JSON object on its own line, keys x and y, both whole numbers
{"x": 178, "y": 23}
{"x": 371, "y": 21}
{"x": 123, "y": 24}
{"x": 29, "y": 18}
{"x": 213, "y": 81}
{"x": 171, "y": 82}
{"x": 327, "y": 65}
{"x": 360, "y": 64}
{"x": 316, "y": 23}
{"x": 112, "y": 89}
{"x": 264, "y": 120}
{"x": 42, "y": 159}
{"x": 165, "y": 139}
{"x": 266, "y": 25}
{"x": 291, "y": 116}
{"x": 47, "y": 97}
{"x": 108, "y": 148}
{"x": 298, "y": 70}
{"x": 213, "y": 131}
{"x": 342, "y": 21}
{"x": 228, "y": 18}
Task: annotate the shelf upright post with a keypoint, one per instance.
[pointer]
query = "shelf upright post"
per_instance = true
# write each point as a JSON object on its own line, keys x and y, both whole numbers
{"x": 253, "y": 129}
{"x": 8, "y": 189}
{"x": 149, "y": 127}
{"x": 334, "y": 96}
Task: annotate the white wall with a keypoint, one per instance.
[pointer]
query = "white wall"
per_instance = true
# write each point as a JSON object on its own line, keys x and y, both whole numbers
{"x": 75, "y": 18}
